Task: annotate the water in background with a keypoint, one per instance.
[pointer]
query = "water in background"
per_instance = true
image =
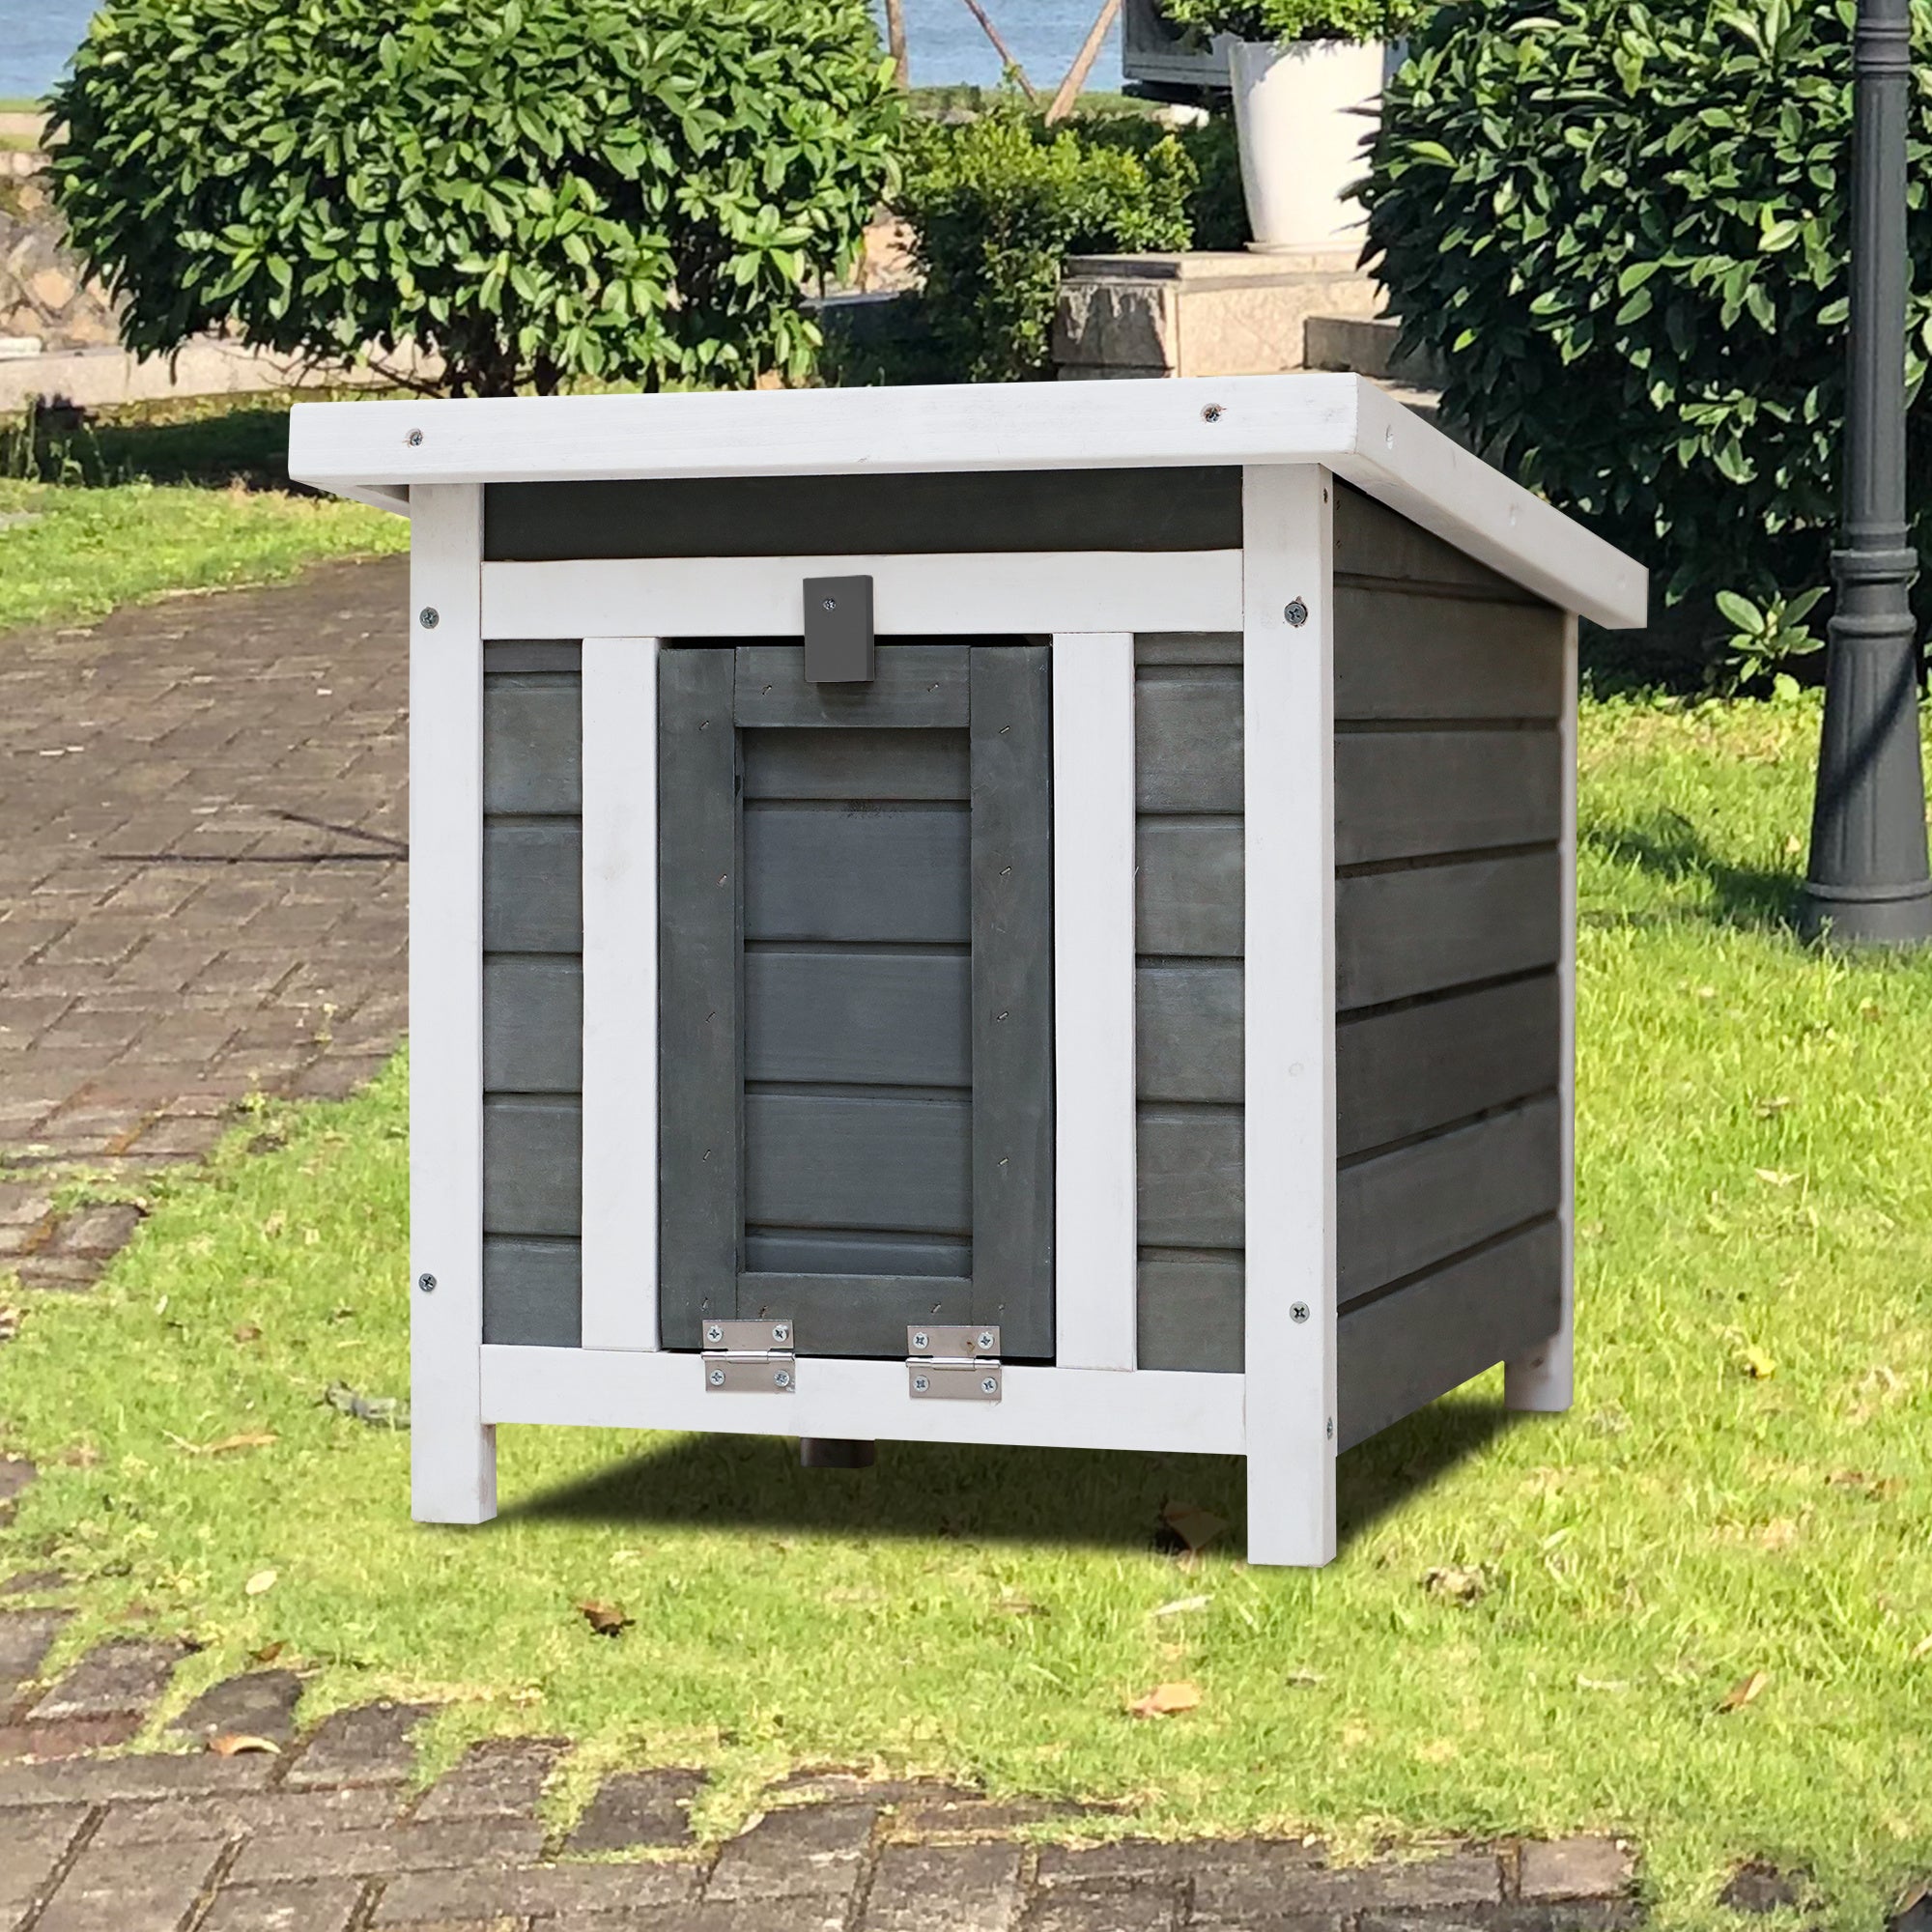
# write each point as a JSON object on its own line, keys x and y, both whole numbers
{"x": 945, "y": 42}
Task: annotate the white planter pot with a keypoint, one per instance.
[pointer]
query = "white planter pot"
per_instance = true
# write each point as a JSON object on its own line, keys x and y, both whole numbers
{"x": 1302, "y": 112}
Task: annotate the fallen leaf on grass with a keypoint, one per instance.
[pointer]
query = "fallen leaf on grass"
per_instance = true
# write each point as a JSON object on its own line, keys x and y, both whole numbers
{"x": 257, "y": 1439}
{"x": 234, "y": 1743}
{"x": 1601, "y": 1684}
{"x": 248, "y": 1331}
{"x": 10, "y": 1324}
{"x": 1775, "y": 1176}
{"x": 1166, "y": 1700}
{"x": 606, "y": 1619}
{"x": 1021, "y": 1607}
{"x": 258, "y": 1585}
{"x": 1870, "y": 1486}
{"x": 1745, "y": 1690}
{"x": 1195, "y": 1527}
{"x": 1181, "y": 1605}
{"x": 1757, "y": 1365}
{"x": 1770, "y": 1109}
{"x": 267, "y": 1653}
{"x": 1922, "y": 1648}
{"x": 1305, "y": 1680}
{"x": 378, "y": 1411}
{"x": 1459, "y": 1585}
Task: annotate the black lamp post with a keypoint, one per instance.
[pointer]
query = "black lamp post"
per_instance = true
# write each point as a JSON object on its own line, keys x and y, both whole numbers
{"x": 1868, "y": 883}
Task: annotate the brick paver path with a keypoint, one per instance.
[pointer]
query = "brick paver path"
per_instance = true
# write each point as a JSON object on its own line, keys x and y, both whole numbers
{"x": 202, "y": 881}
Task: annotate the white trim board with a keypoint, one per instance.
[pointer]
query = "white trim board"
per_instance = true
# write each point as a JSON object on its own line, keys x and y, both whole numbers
{"x": 1342, "y": 421}
{"x": 912, "y": 596}
{"x": 1041, "y": 1408}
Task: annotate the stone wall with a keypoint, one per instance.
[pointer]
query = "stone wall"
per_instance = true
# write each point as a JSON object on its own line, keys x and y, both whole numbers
{"x": 46, "y": 297}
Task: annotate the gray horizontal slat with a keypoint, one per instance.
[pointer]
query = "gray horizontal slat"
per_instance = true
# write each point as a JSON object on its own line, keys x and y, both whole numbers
{"x": 503, "y": 656}
{"x": 1190, "y": 1177}
{"x": 1188, "y": 1030}
{"x": 1187, "y": 647}
{"x": 533, "y": 887}
{"x": 914, "y": 684}
{"x": 532, "y": 1167}
{"x": 1372, "y": 540}
{"x": 812, "y": 1251}
{"x": 532, "y": 1293}
{"x": 858, "y": 1161}
{"x": 1398, "y": 1352}
{"x": 533, "y": 1023}
{"x": 1189, "y": 896}
{"x": 894, "y": 872}
{"x": 854, "y": 1314}
{"x": 901, "y": 1019}
{"x": 1419, "y": 1067}
{"x": 1401, "y": 934}
{"x": 1192, "y": 1311}
{"x": 1190, "y": 507}
{"x": 1187, "y": 742}
{"x": 1402, "y": 655}
{"x": 1401, "y": 1211}
{"x": 1406, "y": 794}
{"x": 532, "y": 744}
{"x": 834, "y": 765}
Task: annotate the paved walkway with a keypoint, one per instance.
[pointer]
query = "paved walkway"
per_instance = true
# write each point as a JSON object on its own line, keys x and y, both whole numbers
{"x": 331, "y": 1837}
{"x": 202, "y": 884}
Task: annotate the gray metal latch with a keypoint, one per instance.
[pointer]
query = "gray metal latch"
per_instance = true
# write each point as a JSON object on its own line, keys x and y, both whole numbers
{"x": 953, "y": 1363}
{"x": 749, "y": 1356}
{"x": 838, "y": 642}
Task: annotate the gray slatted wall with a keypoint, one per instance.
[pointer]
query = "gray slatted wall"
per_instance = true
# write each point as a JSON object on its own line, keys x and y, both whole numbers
{"x": 533, "y": 993}
{"x": 1448, "y": 783}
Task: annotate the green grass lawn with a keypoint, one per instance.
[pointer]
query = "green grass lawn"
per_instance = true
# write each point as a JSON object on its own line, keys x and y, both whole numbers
{"x": 158, "y": 500}
{"x": 1741, "y": 1490}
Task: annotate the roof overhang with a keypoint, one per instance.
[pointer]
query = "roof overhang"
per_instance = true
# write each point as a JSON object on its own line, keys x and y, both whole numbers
{"x": 377, "y": 451}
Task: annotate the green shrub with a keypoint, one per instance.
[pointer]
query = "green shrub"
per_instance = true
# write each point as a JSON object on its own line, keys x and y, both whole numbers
{"x": 535, "y": 189}
{"x": 1624, "y": 233}
{"x": 1297, "y": 19}
{"x": 996, "y": 204}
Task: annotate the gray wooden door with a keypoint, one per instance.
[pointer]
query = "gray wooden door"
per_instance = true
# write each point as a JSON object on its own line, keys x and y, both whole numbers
{"x": 856, "y": 1046}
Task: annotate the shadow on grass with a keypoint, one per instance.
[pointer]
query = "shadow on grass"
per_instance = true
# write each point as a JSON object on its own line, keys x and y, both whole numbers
{"x": 1105, "y": 1500}
{"x": 1668, "y": 847}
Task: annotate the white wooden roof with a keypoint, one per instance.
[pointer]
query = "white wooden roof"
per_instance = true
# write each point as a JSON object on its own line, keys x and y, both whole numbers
{"x": 375, "y": 451}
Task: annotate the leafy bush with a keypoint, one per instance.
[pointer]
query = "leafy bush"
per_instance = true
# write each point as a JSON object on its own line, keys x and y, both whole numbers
{"x": 535, "y": 189}
{"x": 998, "y": 202}
{"x": 1624, "y": 233}
{"x": 1297, "y": 19}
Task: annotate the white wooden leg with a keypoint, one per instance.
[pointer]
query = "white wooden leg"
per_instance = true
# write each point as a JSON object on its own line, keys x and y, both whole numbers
{"x": 452, "y": 1451}
{"x": 1545, "y": 1378}
{"x": 1288, "y": 736}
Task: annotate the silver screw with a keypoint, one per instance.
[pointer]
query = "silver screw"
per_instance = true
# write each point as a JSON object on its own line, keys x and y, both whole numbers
{"x": 1300, "y": 1312}
{"x": 429, "y": 617}
{"x": 1212, "y": 413}
{"x": 919, "y": 1384}
{"x": 427, "y": 1283}
{"x": 782, "y": 1332}
{"x": 831, "y": 604}
{"x": 1332, "y": 1428}
{"x": 988, "y": 1386}
{"x": 714, "y": 1333}
{"x": 415, "y": 438}
{"x": 1297, "y": 613}
{"x": 919, "y": 1338}
{"x": 716, "y": 1378}
{"x": 986, "y": 1338}
{"x": 782, "y": 1379}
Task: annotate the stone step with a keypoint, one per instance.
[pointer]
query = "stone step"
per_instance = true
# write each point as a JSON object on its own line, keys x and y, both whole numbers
{"x": 1367, "y": 346}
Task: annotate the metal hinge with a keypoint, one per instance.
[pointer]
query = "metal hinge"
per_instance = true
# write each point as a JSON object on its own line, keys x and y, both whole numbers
{"x": 953, "y": 1364}
{"x": 749, "y": 1356}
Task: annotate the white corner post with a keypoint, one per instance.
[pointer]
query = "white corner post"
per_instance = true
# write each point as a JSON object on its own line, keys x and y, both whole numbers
{"x": 1288, "y": 708}
{"x": 1544, "y": 1378}
{"x": 620, "y": 993}
{"x": 1096, "y": 1227}
{"x": 452, "y": 1450}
